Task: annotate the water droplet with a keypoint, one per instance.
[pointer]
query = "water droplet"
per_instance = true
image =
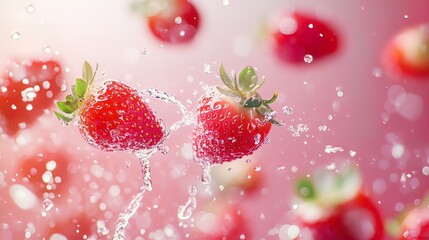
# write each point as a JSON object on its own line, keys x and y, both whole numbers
{"x": 143, "y": 51}
{"x": 406, "y": 16}
{"x": 377, "y": 72}
{"x": 287, "y": 110}
{"x": 308, "y": 58}
{"x": 258, "y": 168}
{"x": 323, "y": 128}
{"x": 101, "y": 228}
{"x": 330, "y": 117}
{"x": 47, "y": 50}
{"x": 207, "y": 68}
{"x": 425, "y": 170}
{"x": 185, "y": 211}
{"x": 226, "y": 2}
{"x": 332, "y": 149}
{"x": 16, "y": 36}
{"x": 30, "y": 9}
{"x": 63, "y": 88}
{"x": 48, "y": 205}
{"x": 352, "y": 153}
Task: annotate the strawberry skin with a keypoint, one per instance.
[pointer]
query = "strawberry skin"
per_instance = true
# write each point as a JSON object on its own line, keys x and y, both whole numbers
{"x": 116, "y": 118}
{"x": 231, "y": 120}
{"x": 112, "y": 116}
{"x": 27, "y": 89}
{"x": 226, "y": 131}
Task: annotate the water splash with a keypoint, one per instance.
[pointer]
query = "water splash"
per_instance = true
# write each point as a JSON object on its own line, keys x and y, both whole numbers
{"x": 144, "y": 156}
{"x": 185, "y": 211}
{"x": 124, "y": 218}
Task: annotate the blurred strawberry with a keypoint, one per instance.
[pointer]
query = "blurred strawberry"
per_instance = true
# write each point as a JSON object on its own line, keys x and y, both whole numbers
{"x": 219, "y": 220}
{"x": 334, "y": 207}
{"x": 45, "y": 171}
{"x": 408, "y": 51}
{"x": 302, "y": 38}
{"x": 240, "y": 175}
{"x": 27, "y": 89}
{"x": 171, "y": 21}
{"x": 76, "y": 227}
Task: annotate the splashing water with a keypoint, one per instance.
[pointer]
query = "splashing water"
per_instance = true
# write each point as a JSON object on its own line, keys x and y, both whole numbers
{"x": 185, "y": 211}
{"x": 144, "y": 156}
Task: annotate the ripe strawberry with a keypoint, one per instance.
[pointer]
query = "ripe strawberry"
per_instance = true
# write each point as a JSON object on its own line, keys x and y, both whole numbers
{"x": 45, "y": 171}
{"x": 334, "y": 207}
{"x": 26, "y": 90}
{"x": 231, "y": 120}
{"x": 171, "y": 21}
{"x": 408, "y": 52}
{"x": 112, "y": 116}
{"x": 301, "y": 38}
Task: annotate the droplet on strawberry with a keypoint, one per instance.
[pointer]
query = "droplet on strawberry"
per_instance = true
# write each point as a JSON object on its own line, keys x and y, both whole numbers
{"x": 334, "y": 207}
{"x": 171, "y": 21}
{"x": 27, "y": 89}
{"x": 302, "y": 38}
{"x": 232, "y": 120}
{"x": 408, "y": 52}
{"x": 112, "y": 116}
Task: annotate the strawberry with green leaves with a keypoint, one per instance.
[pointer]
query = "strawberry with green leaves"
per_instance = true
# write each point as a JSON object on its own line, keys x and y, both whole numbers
{"x": 232, "y": 120}
{"x": 333, "y": 206}
{"x": 111, "y": 116}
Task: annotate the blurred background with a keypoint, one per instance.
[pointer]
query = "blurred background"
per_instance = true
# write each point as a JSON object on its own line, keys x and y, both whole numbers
{"x": 347, "y": 107}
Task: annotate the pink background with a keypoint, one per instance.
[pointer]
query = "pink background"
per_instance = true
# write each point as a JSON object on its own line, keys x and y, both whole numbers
{"x": 389, "y": 141}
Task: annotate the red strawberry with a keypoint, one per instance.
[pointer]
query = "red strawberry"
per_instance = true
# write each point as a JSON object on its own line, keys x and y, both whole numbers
{"x": 231, "y": 120}
{"x": 112, "y": 116}
{"x": 77, "y": 227}
{"x": 301, "y": 38}
{"x": 177, "y": 23}
{"x": 415, "y": 226}
{"x": 27, "y": 89}
{"x": 45, "y": 172}
{"x": 408, "y": 52}
{"x": 334, "y": 207}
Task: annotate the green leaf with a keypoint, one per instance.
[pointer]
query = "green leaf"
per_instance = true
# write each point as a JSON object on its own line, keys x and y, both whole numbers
{"x": 67, "y": 107}
{"x": 225, "y": 78}
{"x": 227, "y": 92}
{"x": 252, "y": 103}
{"x": 80, "y": 88}
{"x": 63, "y": 117}
{"x": 305, "y": 189}
{"x": 70, "y": 98}
{"x": 87, "y": 73}
{"x": 248, "y": 79}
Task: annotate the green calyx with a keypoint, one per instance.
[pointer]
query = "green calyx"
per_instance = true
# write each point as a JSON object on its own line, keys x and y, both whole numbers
{"x": 245, "y": 88}
{"x": 73, "y": 101}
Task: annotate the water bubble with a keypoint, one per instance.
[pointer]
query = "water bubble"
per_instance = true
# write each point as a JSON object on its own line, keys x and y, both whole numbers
{"x": 287, "y": 110}
{"x": 257, "y": 139}
{"x": 16, "y": 36}
{"x": 63, "y": 88}
{"x": 330, "y": 117}
{"x": 300, "y": 128}
{"x": 406, "y": 16}
{"x": 47, "y": 50}
{"x": 352, "y": 153}
{"x": 30, "y": 9}
{"x": 258, "y": 168}
{"x": 323, "y": 128}
{"x": 207, "y": 68}
{"x": 28, "y": 94}
{"x": 308, "y": 58}
{"x": 143, "y": 51}
{"x": 425, "y": 170}
{"x": 377, "y": 72}
{"x": 48, "y": 205}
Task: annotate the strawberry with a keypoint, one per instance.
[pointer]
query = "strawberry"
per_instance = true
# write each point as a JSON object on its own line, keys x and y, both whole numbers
{"x": 111, "y": 116}
{"x": 408, "y": 51}
{"x": 171, "y": 21}
{"x": 334, "y": 207}
{"x": 302, "y": 38}
{"x": 415, "y": 226}
{"x": 45, "y": 171}
{"x": 80, "y": 226}
{"x": 27, "y": 89}
{"x": 232, "y": 120}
